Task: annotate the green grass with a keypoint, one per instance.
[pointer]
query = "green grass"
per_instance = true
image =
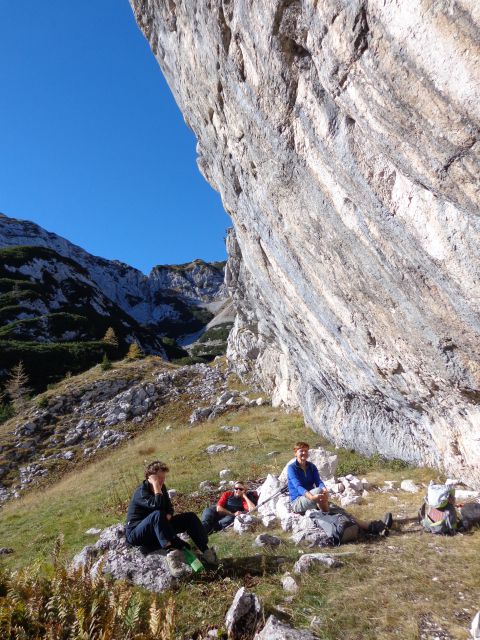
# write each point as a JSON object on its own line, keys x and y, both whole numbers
{"x": 384, "y": 589}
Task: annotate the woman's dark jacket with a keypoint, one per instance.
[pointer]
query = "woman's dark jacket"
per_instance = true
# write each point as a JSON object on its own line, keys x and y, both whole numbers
{"x": 144, "y": 502}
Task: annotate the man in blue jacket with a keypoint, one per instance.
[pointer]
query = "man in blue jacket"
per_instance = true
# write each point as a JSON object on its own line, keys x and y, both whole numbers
{"x": 306, "y": 488}
{"x": 307, "y": 491}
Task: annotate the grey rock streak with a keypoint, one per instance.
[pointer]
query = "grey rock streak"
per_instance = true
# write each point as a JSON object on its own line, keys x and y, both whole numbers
{"x": 343, "y": 137}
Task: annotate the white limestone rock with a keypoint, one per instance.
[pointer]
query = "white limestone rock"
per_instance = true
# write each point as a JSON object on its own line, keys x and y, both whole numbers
{"x": 277, "y": 630}
{"x": 244, "y": 523}
{"x": 289, "y": 584}
{"x": 310, "y": 560}
{"x": 266, "y": 540}
{"x": 243, "y": 615}
{"x": 111, "y": 554}
{"x": 475, "y": 627}
{"x": 213, "y": 449}
{"x": 409, "y": 486}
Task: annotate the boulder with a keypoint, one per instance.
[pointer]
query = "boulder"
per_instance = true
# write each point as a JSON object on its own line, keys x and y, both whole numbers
{"x": 270, "y": 486}
{"x": 225, "y": 474}
{"x": 243, "y": 616}
{"x": 112, "y": 554}
{"x": 277, "y": 630}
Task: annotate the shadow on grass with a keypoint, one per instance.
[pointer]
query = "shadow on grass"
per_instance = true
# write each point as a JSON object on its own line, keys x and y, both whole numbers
{"x": 257, "y": 565}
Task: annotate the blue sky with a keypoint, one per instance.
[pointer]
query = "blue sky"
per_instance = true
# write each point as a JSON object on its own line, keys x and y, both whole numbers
{"x": 92, "y": 144}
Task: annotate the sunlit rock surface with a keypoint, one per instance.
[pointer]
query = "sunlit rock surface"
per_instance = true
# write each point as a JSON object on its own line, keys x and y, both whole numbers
{"x": 343, "y": 138}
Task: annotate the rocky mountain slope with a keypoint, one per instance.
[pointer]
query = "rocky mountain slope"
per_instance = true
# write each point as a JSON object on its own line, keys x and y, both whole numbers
{"x": 344, "y": 140}
{"x": 148, "y": 299}
{"x": 54, "y": 293}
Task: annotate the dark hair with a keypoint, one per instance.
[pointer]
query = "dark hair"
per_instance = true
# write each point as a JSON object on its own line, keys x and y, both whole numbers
{"x": 301, "y": 445}
{"x": 155, "y": 467}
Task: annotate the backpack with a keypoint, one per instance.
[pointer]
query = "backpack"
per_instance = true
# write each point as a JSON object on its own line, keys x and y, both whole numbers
{"x": 438, "y": 513}
{"x": 339, "y": 527}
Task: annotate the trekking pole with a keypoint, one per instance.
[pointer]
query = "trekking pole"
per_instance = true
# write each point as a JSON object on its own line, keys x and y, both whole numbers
{"x": 247, "y": 513}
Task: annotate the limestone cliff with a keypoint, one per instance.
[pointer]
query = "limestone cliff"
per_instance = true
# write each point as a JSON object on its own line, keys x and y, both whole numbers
{"x": 343, "y": 136}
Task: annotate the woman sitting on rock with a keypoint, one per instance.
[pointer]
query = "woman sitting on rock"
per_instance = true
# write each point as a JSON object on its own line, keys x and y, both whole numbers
{"x": 152, "y": 524}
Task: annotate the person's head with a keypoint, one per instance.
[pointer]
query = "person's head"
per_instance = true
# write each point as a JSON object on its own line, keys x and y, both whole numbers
{"x": 301, "y": 451}
{"x": 156, "y": 468}
{"x": 238, "y": 487}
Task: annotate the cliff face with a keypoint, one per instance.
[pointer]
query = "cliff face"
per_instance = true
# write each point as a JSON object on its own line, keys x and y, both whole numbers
{"x": 343, "y": 137}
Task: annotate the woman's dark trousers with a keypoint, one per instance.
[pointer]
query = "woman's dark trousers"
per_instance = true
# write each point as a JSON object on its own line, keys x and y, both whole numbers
{"x": 156, "y": 532}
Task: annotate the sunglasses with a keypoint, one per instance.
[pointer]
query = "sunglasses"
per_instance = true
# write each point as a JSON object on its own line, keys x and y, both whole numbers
{"x": 239, "y": 488}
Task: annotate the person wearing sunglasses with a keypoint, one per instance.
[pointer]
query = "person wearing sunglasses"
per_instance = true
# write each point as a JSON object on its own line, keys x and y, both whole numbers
{"x": 231, "y": 504}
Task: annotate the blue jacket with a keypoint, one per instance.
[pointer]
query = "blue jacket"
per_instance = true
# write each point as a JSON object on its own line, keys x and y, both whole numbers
{"x": 300, "y": 481}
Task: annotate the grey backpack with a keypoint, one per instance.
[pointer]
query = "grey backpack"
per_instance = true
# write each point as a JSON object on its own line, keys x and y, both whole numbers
{"x": 438, "y": 513}
{"x": 339, "y": 527}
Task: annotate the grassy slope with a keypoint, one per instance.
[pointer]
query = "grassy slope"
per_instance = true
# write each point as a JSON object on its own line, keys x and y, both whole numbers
{"x": 385, "y": 589}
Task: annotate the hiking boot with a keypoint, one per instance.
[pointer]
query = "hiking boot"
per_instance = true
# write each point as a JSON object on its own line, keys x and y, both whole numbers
{"x": 176, "y": 564}
{"x": 377, "y": 528}
{"x": 209, "y": 556}
{"x": 388, "y": 520}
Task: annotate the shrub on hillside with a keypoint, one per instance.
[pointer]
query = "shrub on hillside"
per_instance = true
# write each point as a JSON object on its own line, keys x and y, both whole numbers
{"x": 135, "y": 352}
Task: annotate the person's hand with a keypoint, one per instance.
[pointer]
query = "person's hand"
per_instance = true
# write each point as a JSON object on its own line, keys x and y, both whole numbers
{"x": 156, "y": 483}
{"x": 169, "y": 516}
{"x": 238, "y": 513}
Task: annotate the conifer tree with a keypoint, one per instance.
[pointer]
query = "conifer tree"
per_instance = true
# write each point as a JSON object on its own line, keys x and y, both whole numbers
{"x": 105, "y": 364}
{"x": 17, "y": 387}
{"x": 110, "y": 337}
{"x": 135, "y": 352}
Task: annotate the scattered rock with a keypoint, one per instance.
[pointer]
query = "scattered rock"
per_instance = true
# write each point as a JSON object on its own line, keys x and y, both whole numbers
{"x": 244, "y": 523}
{"x": 475, "y": 628}
{"x": 465, "y": 494}
{"x": 230, "y": 428}
{"x": 225, "y": 474}
{"x": 172, "y": 493}
{"x": 277, "y": 630}
{"x": 289, "y": 584}
{"x": 243, "y": 616}
{"x": 350, "y": 499}
{"x": 219, "y": 448}
{"x": 269, "y": 521}
{"x": 409, "y": 486}
{"x": 93, "y": 531}
{"x": 266, "y": 540}
{"x": 4, "y": 551}
{"x": 310, "y": 560}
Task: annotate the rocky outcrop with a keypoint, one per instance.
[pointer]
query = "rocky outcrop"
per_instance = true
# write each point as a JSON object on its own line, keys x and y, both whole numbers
{"x": 343, "y": 138}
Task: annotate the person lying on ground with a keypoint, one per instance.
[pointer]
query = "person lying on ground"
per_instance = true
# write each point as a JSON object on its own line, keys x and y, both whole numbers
{"x": 152, "y": 523}
{"x": 308, "y": 491}
{"x": 231, "y": 504}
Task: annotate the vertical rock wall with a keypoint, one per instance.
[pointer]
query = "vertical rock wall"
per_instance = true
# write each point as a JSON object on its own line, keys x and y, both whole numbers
{"x": 343, "y": 136}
